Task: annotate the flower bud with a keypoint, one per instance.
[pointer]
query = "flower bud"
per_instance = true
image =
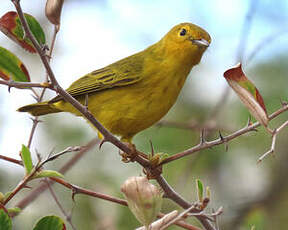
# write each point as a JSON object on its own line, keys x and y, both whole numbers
{"x": 53, "y": 11}
{"x": 144, "y": 199}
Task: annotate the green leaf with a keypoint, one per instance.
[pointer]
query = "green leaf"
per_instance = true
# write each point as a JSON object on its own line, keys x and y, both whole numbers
{"x": 5, "y": 221}
{"x": 200, "y": 190}
{"x": 11, "y": 68}
{"x": 7, "y": 194}
{"x": 14, "y": 210}
{"x": 26, "y": 158}
{"x": 50, "y": 223}
{"x": 11, "y": 26}
{"x": 48, "y": 173}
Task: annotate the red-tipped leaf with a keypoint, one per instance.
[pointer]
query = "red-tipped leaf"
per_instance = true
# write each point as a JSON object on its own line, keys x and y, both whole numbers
{"x": 247, "y": 92}
{"x": 11, "y": 67}
{"x": 11, "y": 26}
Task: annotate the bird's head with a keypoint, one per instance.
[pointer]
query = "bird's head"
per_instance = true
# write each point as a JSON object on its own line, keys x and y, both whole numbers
{"x": 187, "y": 40}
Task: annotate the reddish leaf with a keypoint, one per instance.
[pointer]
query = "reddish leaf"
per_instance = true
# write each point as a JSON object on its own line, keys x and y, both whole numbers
{"x": 11, "y": 67}
{"x": 11, "y": 26}
{"x": 247, "y": 93}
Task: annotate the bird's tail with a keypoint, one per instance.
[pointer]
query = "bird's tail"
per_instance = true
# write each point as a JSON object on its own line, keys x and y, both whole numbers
{"x": 39, "y": 109}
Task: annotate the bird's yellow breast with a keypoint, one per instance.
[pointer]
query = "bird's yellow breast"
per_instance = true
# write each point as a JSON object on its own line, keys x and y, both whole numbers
{"x": 128, "y": 110}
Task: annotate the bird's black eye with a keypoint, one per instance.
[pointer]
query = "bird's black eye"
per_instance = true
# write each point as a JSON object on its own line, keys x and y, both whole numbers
{"x": 183, "y": 32}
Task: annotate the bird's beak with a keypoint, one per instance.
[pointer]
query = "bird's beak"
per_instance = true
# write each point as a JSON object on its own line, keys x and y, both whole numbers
{"x": 200, "y": 42}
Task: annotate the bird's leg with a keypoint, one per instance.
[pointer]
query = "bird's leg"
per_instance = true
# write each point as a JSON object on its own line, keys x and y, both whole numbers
{"x": 129, "y": 157}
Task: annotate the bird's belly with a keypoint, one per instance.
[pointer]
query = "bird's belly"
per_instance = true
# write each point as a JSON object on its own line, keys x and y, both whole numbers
{"x": 126, "y": 113}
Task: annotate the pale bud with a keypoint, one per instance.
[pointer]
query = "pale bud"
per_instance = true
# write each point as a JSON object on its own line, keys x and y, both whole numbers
{"x": 53, "y": 11}
{"x": 144, "y": 199}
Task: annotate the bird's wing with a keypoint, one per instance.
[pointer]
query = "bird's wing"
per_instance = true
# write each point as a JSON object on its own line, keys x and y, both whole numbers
{"x": 124, "y": 72}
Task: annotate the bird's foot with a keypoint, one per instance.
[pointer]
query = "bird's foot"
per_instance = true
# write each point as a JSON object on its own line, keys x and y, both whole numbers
{"x": 130, "y": 157}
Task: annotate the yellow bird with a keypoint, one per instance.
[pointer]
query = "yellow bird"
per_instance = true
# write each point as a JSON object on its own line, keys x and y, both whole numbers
{"x": 132, "y": 94}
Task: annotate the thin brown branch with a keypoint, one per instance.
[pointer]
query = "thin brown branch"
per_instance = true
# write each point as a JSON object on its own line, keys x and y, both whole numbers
{"x": 12, "y": 160}
{"x": 21, "y": 185}
{"x": 40, "y": 97}
{"x": 222, "y": 139}
{"x": 67, "y": 217}
{"x": 274, "y": 136}
{"x": 191, "y": 125}
{"x": 33, "y": 129}
{"x": 78, "y": 190}
{"x": 25, "y": 85}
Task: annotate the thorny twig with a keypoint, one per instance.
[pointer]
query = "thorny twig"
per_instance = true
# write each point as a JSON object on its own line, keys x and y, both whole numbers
{"x": 42, "y": 187}
{"x": 30, "y": 176}
{"x": 222, "y": 139}
{"x": 274, "y": 136}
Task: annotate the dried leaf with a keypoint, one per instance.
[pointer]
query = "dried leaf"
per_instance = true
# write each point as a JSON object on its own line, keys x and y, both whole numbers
{"x": 53, "y": 11}
{"x": 247, "y": 93}
{"x": 11, "y": 26}
{"x": 11, "y": 68}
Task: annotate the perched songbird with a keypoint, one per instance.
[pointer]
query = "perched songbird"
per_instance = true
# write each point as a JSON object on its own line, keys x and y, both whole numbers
{"x": 132, "y": 94}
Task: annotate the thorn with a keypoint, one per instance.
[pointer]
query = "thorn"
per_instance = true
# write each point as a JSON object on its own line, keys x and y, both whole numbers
{"x": 35, "y": 120}
{"x": 26, "y": 186}
{"x": 202, "y": 137}
{"x": 45, "y": 48}
{"x": 224, "y": 141}
{"x": 249, "y": 122}
{"x": 74, "y": 192}
{"x": 152, "y": 148}
{"x": 102, "y": 142}
{"x": 38, "y": 155}
{"x": 35, "y": 97}
{"x": 221, "y": 137}
{"x": 86, "y": 101}
{"x": 283, "y": 103}
{"x": 50, "y": 154}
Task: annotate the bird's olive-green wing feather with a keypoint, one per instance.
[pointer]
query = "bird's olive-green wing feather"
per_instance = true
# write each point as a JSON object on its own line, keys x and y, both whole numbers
{"x": 124, "y": 72}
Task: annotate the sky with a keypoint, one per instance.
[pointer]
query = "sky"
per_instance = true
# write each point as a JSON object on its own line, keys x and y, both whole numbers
{"x": 96, "y": 33}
